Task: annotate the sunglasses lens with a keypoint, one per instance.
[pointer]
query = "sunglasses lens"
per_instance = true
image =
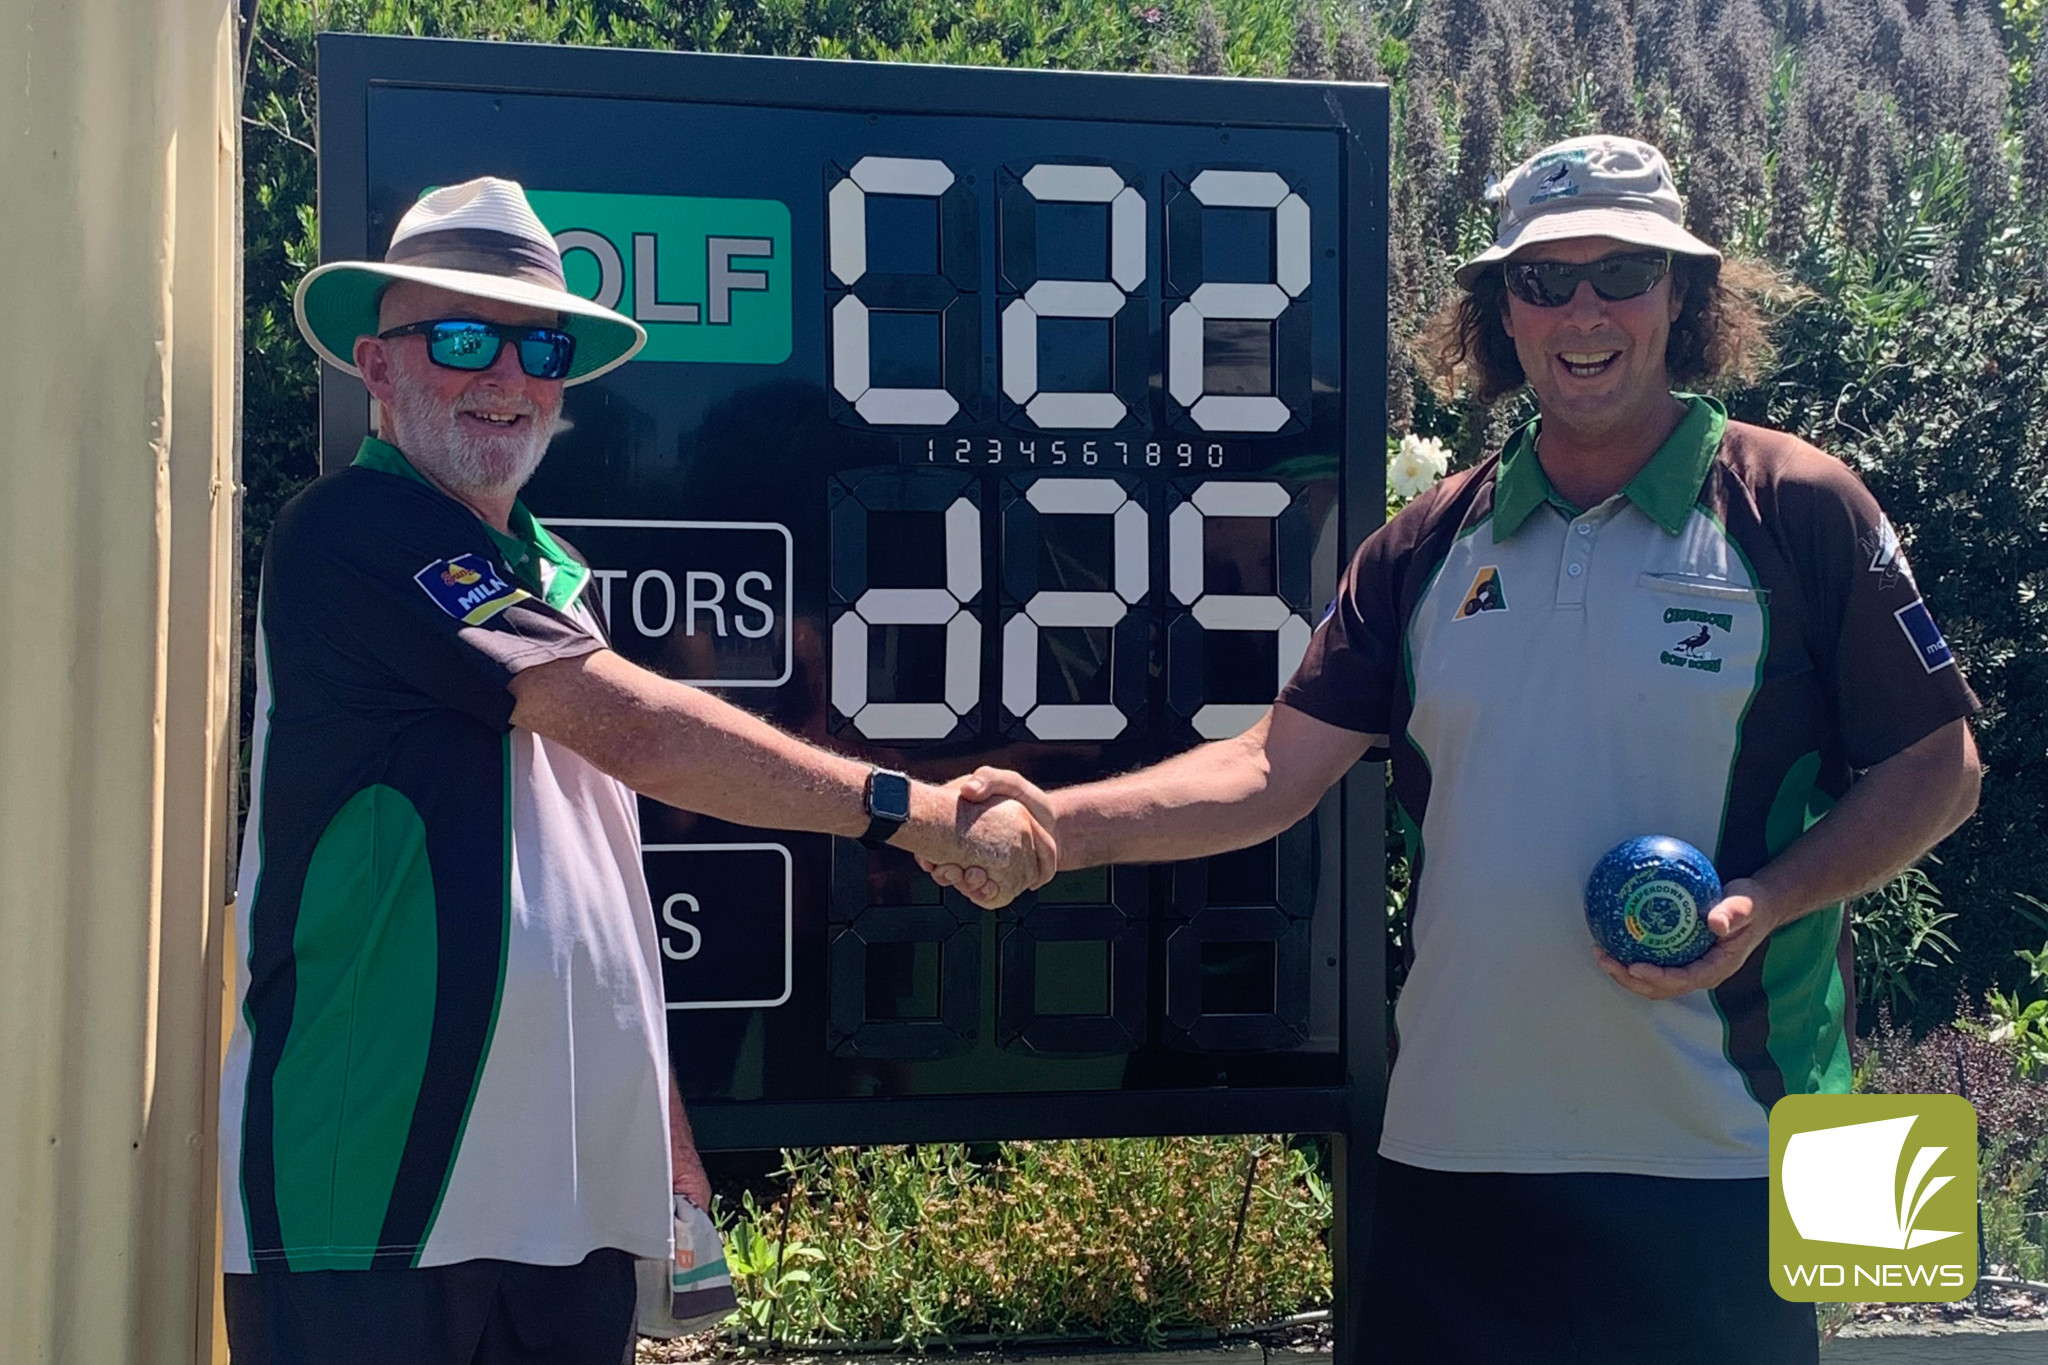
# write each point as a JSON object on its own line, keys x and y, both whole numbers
{"x": 1547, "y": 284}
{"x": 1626, "y": 277}
{"x": 545, "y": 353}
{"x": 462, "y": 345}
{"x": 1551, "y": 284}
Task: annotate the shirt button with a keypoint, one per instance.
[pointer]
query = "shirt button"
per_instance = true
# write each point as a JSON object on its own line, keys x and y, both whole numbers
{"x": 1584, "y": 529}
{"x": 1575, "y": 569}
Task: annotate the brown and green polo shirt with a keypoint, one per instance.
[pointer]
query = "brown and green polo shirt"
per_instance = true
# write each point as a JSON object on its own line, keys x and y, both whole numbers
{"x": 1712, "y": 654}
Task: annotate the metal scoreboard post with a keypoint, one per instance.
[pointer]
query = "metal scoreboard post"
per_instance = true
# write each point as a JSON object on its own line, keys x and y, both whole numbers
{"x": 986, "y": 416}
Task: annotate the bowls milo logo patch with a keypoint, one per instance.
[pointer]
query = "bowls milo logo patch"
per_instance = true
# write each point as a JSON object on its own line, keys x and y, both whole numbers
{"x": 468, "y": 587}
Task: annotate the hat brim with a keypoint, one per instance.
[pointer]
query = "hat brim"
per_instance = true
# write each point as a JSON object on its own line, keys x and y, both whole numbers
{"x": 1637, "y": 227}
{"x": 337, "y": 302}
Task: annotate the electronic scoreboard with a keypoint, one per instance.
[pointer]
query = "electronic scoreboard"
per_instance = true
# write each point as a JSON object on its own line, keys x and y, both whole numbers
{"x": 986, "y": 416}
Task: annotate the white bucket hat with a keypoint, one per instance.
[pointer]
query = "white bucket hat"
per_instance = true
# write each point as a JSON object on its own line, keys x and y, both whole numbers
{"x": 479, "y": 238}
{"x": 1599, "y": 186}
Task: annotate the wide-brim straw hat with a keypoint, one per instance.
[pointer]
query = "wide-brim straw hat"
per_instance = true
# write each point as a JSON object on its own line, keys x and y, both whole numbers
{"x": 1598, "y": 186}
{"x": 479, "y": 238}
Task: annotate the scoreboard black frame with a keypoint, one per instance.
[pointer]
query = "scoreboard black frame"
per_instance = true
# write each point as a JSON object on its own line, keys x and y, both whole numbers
{"x": 995, "y": 416}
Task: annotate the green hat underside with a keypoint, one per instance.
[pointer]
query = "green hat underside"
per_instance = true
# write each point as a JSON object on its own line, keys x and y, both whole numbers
{"x": 337, "y": 302}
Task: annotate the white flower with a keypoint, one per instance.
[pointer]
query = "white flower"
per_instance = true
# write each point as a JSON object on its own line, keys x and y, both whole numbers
{"x": 1417, "y": 463}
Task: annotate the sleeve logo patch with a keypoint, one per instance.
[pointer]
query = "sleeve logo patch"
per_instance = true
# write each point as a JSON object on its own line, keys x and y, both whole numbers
{"x": 1918, "y": 623}
{"x": 1887, "y": 556}
{"x": 468, "y": 587}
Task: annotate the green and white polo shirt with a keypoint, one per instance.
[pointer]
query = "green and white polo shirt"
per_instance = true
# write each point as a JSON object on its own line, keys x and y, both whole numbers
{"x": 1709, "y": 654}
{"x": 449, "y": 1042}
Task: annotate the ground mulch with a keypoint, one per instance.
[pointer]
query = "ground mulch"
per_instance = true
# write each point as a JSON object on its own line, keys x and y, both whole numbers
{"x": 1995, "y": 1305}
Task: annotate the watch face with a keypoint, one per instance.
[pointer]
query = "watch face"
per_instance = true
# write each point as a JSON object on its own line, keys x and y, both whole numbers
{"x": 889, "y": 796}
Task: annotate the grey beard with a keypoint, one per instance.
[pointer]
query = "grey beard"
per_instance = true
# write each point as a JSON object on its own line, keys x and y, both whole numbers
{"x": 464, "y": 461}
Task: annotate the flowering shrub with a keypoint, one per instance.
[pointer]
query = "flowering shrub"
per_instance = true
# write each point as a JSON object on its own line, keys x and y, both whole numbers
{"x": 1966, "y": 1058}
{"x": 1413, "y": 468}
{"x": 1128, "y": 1239}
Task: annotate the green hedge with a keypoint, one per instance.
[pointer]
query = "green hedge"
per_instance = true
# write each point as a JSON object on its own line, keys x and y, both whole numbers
{"x": 1892, "y": 158}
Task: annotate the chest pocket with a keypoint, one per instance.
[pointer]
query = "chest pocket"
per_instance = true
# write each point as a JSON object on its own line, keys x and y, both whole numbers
{"x": 1702, "y": 632}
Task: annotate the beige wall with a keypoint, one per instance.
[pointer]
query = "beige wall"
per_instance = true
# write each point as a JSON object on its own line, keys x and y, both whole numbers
{"x": 119, "y": 187}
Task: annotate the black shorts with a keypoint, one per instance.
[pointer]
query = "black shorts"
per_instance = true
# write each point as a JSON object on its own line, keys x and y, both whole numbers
{"x": 472, "y": 1313}
{"x": 1477, "y": 1268}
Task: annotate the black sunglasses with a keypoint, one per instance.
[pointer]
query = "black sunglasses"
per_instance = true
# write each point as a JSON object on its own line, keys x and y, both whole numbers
{"x": 467, "y": 344}
{"x": 1551, "y": 284}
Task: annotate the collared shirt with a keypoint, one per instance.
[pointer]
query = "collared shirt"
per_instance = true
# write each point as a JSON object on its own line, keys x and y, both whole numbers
{"x": 450, "y": 1041}
{"x": 1664, "y": 490}
{"x": 1710, "y": 653}
{"x": 537, "y": 560}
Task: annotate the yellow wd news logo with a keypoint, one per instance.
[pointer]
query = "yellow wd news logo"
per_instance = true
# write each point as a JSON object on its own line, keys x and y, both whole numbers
{"x": 1873, "y": 1198}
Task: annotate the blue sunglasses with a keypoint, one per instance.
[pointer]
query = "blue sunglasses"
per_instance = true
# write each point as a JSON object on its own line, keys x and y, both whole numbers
{"x": 467, "y": 344}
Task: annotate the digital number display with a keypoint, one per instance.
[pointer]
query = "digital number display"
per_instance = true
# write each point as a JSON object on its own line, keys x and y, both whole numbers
{"x": 1080, "y": 630}
{"x": 1076, "y": 352}
{"x": 962, "y": 436}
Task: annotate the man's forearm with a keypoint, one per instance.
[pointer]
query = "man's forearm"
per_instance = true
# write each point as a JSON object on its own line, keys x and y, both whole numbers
{"x": 1891, "y": 817}
{"x": 1180, "y": 809}
{"x": 693, "y": 751}
{"x": 687, "y": 1168}
{"x": 1211, "y": 799}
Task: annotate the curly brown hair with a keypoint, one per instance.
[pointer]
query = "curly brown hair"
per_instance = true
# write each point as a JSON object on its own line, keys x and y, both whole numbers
{"x": 1720, "y": 337}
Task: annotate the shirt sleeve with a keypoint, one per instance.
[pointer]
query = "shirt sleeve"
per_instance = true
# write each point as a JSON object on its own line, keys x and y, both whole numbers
{"x": 1347, "y": 676}
{"x": 395, "y": 609}
{"x": 1893, "y": 677}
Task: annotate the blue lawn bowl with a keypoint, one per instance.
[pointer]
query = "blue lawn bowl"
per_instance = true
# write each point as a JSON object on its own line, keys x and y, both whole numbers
{"x": 1647, "y": 901}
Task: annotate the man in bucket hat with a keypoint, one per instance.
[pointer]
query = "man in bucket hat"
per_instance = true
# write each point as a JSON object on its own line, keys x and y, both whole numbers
{"x": 1640, "y": 617}
{"x": 447, "y": 1109}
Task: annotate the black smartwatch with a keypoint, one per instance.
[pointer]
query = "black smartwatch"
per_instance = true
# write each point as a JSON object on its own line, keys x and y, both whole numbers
{"x": 887, "y": 799}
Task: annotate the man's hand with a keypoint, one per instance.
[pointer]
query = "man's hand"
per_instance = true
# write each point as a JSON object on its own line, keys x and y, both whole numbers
{"x": 997, "y": 849}
{"x": 1892, "y": 815}
{"x": 975, "y": 790}
{"x": 1740, "y": 920}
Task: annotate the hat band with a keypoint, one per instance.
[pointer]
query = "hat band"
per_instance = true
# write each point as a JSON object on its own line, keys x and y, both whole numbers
{"x": 1635, "y": 203}
{"x": 480, "y": 250}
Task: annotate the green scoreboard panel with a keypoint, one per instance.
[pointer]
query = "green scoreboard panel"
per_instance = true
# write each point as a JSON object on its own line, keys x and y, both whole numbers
{"x": 987, "y": 416}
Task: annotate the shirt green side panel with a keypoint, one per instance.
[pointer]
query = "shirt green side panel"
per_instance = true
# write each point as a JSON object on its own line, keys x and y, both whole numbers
{"x": 497, "y": 999}
{"x": 364, "y": 954}
{"x": 1756, "y": 687}
{"x": 1410, "y": 824}
{"x": 1803, "y": 987}
{"x": 1411, "y": 837}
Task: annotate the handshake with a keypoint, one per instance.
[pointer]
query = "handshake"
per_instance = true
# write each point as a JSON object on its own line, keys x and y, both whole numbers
{"x": 1004, "y": 839}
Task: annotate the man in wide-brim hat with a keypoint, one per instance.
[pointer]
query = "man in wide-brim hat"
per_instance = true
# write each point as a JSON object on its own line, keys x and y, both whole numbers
{"x": 1640, "y": 617}
{"x": 447, "y": 1111}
